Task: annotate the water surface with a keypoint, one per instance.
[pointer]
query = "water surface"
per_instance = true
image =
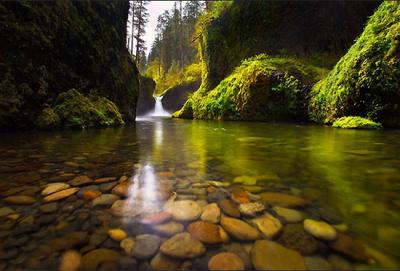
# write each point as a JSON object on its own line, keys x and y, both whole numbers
{"x": 347, "y": 176}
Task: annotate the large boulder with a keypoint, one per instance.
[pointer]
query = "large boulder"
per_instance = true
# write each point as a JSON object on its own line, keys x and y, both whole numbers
{"x": 261, "y": 88}
{"x": 175, "y": 97}
{"x": 366, "y": 81}
{"x": 146, "y": 100}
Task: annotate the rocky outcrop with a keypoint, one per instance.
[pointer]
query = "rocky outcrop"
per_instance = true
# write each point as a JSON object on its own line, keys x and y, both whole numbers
{"x": 175, "y": 97}
{"x": 50, "y": 48}
{"x": 146, "y": 100}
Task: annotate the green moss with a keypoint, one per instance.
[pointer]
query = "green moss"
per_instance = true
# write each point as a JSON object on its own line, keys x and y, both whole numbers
{"x": 366, "y": 81}
{"x": 261, "y": 88}
{"x": 77, "y": 110}
{"x": 356, "y": 123}
{"x": 48, "y": 119}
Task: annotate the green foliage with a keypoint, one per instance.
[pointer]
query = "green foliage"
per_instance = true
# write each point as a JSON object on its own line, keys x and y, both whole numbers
{"x": 366, "y": 81}
{"x": 261, "y": 88}
{"x": 356, "y": 123}
{"x": 77, "y": 110}
{"x": 48, "y": 119}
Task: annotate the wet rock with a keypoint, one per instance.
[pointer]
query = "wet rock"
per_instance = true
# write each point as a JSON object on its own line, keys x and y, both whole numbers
{"x": 93, "y": 259}
{"x": 146, "y": 246}
{"x": 61, "y": 194}
{"x": 245, "y": 180}
{"x": 68, "y": 241}
{"x": 251, "y": 208}
{"x": 182, "y": 246}
{"x": 105, "y": 180}
{"x": 320, "y": 229}
{"x": 253, "y": 189}
{"x": 219, "y": 184}
{"x": 341, "y": 227}
{"x": 46, "y": 219}
{"x": 283, "y": 200}
{"x": 226, "y": 261}
{"x": 162, "y": 262}
{"x": 239, "y": 250}
{"x": 49, "y": 207}
{"x": 200, "y": 185}
{"x": 228, "y": 207}
{"x": 5, "y": 211}
{"x": 349, "y": 247}
{"x": 339, "y": 263}
{"x": 20, "y": 200}
{"x": 157, "y": 218}
{"x": 105, "y": 200}
{"x": 165, "y": 174}
{"x": 269, "y": 255}
{"x": 54, "y": 187}
{"x": 117, "y": 234}
{"x": 205, "y": 232}
{"x": 80, "y": 181}
{"x": 91, "y": 194}
{"x": 268, "y": 225}
{"x": 169, "y": 228}
{"x": 182, "y": 184}
{"x": 317, "y": 263}
{"x": 106, "y": 187}
{"x": 295, "y": 237}
{"x": 186, "y": 197}
{"x": 70, "y": 261}
{"x": 240, "y": 196}
{"x": 97, "y": 238}
{"x": 289, "y": 215}
{"x": 185, "y": 210}
{"x": 211, "y": 213}
{"x": 127, "y": 245}
{"x": 216, "y": 195}
{"x": 239, "y": 229}
{"x": 192, "y": 191}
{"x": 121, "y": 189}
{"x": 127, "y": 263}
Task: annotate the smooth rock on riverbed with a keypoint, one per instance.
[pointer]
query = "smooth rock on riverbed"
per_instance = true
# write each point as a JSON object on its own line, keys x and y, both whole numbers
{"x": 168, "y": 229}
{"x": 146, "y": 246}
{"x": 211, "y": 213}
{"x": 239, "y": 229}
{"x": 269, "y": 255}
{"x": 183, "y": 246}
{"x": 206, "y": 232}
{"x": 185, "y": 210}
{"x": 226, "y": 261}
{"x": 289, "y": 215}
{"x": 54, "y": 187}
{"x": 268, "y": 225}
{"x": 320, "y": 229}
{"x": 61, "y": 194}
{"x": 20, "y": 200}
{"x": 93, "y": 259}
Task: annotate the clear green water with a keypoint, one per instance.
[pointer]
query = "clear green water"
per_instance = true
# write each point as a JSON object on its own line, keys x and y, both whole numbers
{"x": 352, "y": 176}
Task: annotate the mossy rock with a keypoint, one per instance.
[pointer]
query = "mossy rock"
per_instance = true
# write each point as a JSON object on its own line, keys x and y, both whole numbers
{"x": 261, "y": 88}
{"x": 48, "y": 119}
{"x": 77, "y": 110}
{"x": 356, "y": 123}
{"x": 366, "y": 81}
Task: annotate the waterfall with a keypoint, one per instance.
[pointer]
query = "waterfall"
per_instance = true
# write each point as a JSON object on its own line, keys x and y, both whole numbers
{"x": 159, "y": 110}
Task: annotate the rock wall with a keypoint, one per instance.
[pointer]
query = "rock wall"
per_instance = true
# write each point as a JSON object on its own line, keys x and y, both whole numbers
{"x": 51, "y": 47}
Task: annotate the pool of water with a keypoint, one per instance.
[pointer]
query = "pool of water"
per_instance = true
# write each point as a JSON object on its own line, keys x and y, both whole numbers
{"x": 347, "y": 178}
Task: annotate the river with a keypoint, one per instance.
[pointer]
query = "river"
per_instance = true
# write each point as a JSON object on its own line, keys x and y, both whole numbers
{"x": 347, "y": 177}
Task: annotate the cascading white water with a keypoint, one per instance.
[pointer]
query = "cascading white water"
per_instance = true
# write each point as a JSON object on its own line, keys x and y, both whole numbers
{"x": 159, "y": 110}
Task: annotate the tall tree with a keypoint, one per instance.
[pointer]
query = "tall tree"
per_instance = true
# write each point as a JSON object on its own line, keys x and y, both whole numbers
{"x": 142, "y": 17}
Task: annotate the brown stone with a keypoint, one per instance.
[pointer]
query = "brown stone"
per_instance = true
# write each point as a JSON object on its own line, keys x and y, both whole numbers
{"x": 269, "y": 255}
{"x": 61, "y": 194}
{"x": 226, "y": 261}
{"x": 162, "y": 262}
{"x": 91, "y": 194}
{"x": 228, "y": 207}
{"x": 105, "y": 180}
{"x": 94, "y": 258}
{"x": 20, "y": 200}
{"x": 80, "y": 181}
{"x": 283, "y": 200}
{"x": 157, "y": 218}
{"x": 121, "y": 189}
{"x": 205, "y": 232}
{"x": 349, "y": 247}
{"x": 70, "y": 261}
{"x": 240, "y": 196}
{"x": 239, "y": 229}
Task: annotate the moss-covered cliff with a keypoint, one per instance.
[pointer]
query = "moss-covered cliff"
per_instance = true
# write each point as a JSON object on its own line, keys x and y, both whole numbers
{"x": 241, "y": 29}
{"x": 366, "y": 81}
{"x": 51, "y": 47}
{"x": 302, "y": 40}
{"x": 146, "y": 100}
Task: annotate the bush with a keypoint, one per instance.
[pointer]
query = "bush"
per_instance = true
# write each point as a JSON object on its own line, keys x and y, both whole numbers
{"x": 48, "y": 119}
{"x": 77, "y": 110}
{"x": 356, "y": 123}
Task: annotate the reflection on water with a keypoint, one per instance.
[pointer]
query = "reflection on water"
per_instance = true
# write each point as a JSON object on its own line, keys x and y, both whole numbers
{"x": 349, "y": 178}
